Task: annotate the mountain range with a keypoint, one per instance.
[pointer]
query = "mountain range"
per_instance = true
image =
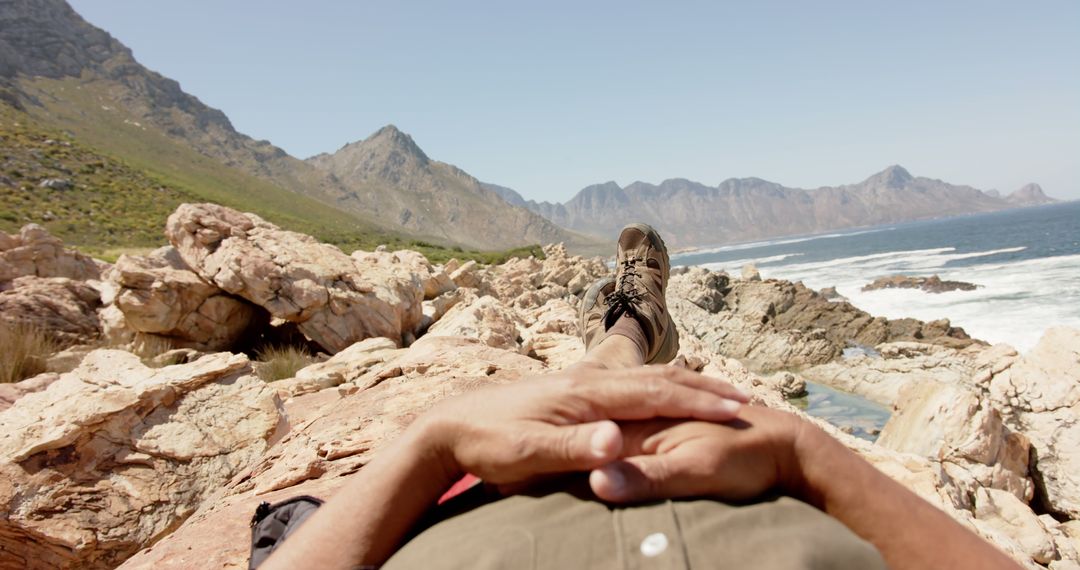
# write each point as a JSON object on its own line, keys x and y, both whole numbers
{"x": 689, "y": 213}
{"x": 60, "y": 74}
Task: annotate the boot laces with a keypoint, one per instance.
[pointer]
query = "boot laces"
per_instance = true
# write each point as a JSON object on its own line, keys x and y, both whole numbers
{"x": 627, "y": 292}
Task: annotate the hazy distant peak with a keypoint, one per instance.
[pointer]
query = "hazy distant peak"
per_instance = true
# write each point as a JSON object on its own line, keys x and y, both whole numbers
{"x": 895, "y": 176}
{"x": 609, "y": 186}
{"x": 1030, "y": 194}
{"x": 508, "y": 194}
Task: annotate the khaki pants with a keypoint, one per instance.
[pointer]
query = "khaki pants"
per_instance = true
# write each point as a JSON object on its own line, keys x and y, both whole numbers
{"x": 565, "y": 529}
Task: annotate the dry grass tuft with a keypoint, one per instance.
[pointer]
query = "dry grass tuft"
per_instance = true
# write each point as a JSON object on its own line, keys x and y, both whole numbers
{"x": 149, "y": 346}
{"x": 23, "y": 351}
{"x": 280, "y": 362}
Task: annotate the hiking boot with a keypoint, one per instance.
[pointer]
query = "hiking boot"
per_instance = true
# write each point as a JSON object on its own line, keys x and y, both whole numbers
{"x": 591, "y": 312}
{"x": 642, "y": 269}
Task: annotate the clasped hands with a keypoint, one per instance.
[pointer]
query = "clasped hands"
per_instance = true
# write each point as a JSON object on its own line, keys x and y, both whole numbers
{"x": 643, "y": 433}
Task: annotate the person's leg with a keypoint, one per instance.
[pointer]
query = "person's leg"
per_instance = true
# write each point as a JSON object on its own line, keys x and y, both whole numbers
{"x": 624, "y": 346}
{"x": 624, "y": 321}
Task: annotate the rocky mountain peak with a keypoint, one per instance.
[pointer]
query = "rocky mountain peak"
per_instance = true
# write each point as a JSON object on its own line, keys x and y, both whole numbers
{"x": 391, "y": 139}
{"x": 895, "y": 176}
{"x": 48, "y": 38}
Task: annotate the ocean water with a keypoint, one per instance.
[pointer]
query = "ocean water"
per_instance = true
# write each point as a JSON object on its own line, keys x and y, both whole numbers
{"x": 1026, "y": 262}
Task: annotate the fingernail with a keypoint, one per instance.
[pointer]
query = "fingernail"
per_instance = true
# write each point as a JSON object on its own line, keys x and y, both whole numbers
{"x": 600, "y": 441}
{"x": 730, "y": 406}
{"x": 616, "y": 480}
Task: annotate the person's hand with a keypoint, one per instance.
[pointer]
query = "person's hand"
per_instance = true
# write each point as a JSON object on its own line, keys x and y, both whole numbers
{"x": 563, "y": 422}
{"x": 736, "y": 460}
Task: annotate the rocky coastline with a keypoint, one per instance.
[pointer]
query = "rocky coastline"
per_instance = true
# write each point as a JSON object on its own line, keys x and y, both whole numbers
{"x": 114, "y": 456}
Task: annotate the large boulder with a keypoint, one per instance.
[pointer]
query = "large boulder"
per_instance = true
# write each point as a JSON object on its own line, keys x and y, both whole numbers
{"x": 954, "y": 424}
{"x": 739, "y": 327}
{"x": 334, "y": 299}
{"x": 63, "y": 308}
{"x": 485, "y": 319}
{"x": 34, "y": 251}
{"x": 1040, "y": 397}
{"x": 114, "y": 455}
{"x": 160, "y": 295}
{"x": 409, "y": 265}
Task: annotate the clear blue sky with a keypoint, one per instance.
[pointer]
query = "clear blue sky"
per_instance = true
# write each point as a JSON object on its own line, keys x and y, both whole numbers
{"x": 551, "y": 97}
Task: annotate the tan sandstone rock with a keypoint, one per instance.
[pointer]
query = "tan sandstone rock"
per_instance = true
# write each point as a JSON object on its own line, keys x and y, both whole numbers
{"x": 528, "y": 283}
{"x": 953, "y": 424}
{"x": 467, "y": 275}
{"x": 1004, "y": 512}
{"x": 114, "y": 455}
{"x": 409, "y": 265}
{"x": 882, "y": 377}
{"x": 740, "y": 327}
{"x": 1040, "y": 397}
{"x": 64, "y": 308}
{"x": 486, "y": 319}
{"x": 346, "y": 366}
{"x": 434, "y": 309}
{"x": 335, "y": 299}
{"x": 115, "y": 330}
{"x": 9, "y": 393}
{"x": 160, "y": 295}
{"x": 35, "y": 252}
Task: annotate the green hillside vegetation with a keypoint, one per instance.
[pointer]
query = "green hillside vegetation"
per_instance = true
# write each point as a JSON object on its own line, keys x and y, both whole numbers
{"x": 86, "y": 109}
{"x": 99, "y": 203}
{"x": 113, "y": 205}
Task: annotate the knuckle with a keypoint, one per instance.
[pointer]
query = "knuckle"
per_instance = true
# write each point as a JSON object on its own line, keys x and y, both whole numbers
{"x": 565, "y": 445}
{"x": 671, "y": 373}
{"x": 656, "y": 389}
{"x": 574, "y": 383}
{"x": 519, "y": 447}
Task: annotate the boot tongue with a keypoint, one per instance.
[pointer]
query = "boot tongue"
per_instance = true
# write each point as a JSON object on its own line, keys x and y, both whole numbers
{"x": 631, "y": 239}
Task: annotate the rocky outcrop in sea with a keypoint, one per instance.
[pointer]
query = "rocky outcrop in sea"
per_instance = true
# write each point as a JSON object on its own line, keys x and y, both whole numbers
{"x": 113, "y": 458}
{"x": 932, "y": 284}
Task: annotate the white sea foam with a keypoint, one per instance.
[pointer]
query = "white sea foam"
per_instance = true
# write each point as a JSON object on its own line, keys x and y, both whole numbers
{"x": 1016, "y": 302}
{"x": 781, "y": 241}
{"x": 736, "y": 264}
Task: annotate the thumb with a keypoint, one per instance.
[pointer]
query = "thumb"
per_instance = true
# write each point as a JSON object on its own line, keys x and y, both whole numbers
{"x": 578, "y": 447}
{"x": 640, "y": 478}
